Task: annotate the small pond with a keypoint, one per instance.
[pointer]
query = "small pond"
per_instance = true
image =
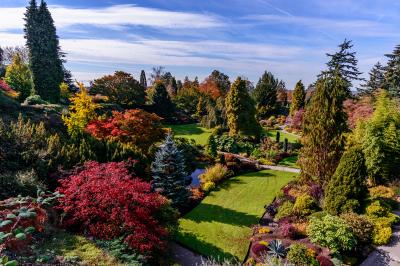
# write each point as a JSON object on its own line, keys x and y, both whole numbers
{"x": 195, "y": 177}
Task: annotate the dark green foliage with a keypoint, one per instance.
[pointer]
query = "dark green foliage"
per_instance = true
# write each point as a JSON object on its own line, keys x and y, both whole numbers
{"x": 190, "y": 151}
{"x": 212, "y": 147}
{"x": 278, "y": 136}
{"x": 120, "y": 250}
{"x": 298, "y": 98}
{"x": 221, "y": 80}
{"x": 376, "y": 80}
{"x": 323, "y": 128}
{"x": 86, "y": 148}
{"x": 161, "y": 101}
{"x": 347, "y": 188}
{"x": 44, "y": 51}
{"x": 169, "y": 175}
{"x": 120, "y": 88}
{"x": 25, "y": 183}
{"x": 25, "y": 146}
{"x": 392, "y": 74}
{"x": 344, "y": 63}
{"x": 285, "y": 145}
{"x": 241, "y": 112}
{"x": 265, "y": 95}
{"x": 143, "y": 80}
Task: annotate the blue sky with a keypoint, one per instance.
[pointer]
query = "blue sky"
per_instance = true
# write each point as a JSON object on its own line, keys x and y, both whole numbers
{"x": 193, "y": 37}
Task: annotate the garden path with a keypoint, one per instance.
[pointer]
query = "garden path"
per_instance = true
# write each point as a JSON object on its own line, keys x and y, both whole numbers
{"x": 264, "y": 166}
{"x": 185, "y": 257}
{"x": 388, "y": 255}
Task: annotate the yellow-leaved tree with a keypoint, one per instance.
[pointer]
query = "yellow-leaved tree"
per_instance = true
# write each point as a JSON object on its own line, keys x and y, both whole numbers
{"x": 81, "y": 111}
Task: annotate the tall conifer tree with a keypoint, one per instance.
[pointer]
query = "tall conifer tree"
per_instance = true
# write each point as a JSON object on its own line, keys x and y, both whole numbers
{"x": 265, "y": 94}
{"x": 143, "y": 80}
{"x": 298, "y": 99}
{"x": 44, "y": 51}
{"x": 323, "y": 128}
{"x": 376, "y": 80}
{"x": 169, "y": 176}
{"x": 392, "y": 75}
{"x": 240, "y": 111}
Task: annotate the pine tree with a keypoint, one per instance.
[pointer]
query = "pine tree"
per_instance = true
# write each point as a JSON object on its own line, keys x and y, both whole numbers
{"x": 345, "y": 62}
{"x": 221, "y": 80}
{"x": 323, "y": 128}
{"x": 281, "y": 94}
{"x": 376, "y": 80}
{"x": 240, "y": 111}
{"x": 162, "y": 103}
{"x": 298, "y": 98}
{"x": 169, "y": 176}
{"x": 143, "y": 80}
{"x": 44, "y": 51}
{"x": 19, "y": 77}
{"x": 265, "y": 94}
{"x": 392, "y": 74}
{"x": 348, "y": 187}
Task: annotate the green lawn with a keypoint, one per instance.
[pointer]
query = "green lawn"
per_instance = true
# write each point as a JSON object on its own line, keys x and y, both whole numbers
{"x": 192, "y": 131}
{"x": 291, "y": 137}
{"x": 290, "y": 162}
{"x": 220, "y": 225}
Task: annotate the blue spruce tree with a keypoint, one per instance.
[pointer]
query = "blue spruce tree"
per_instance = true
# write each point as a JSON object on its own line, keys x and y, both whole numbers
{"x": 169, "y": 176}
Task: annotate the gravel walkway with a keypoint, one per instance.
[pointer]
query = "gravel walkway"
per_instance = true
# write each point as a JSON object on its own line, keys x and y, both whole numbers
{"x": 185, "y": 257}
{"x": 388, "y": 255}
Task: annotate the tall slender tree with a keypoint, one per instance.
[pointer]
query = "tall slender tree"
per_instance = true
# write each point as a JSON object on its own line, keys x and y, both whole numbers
{"x": 265, "y": 94}
{"x": 376, "y": 80}
{"x": 344, "y": 62}
{"x": 240, "y": 111}
{"x": 45, "y": 56}
{"x": 298, "y": 98}
{"x": 392, "y": 74}
{"x": 143, "y": 80}
{"x": 281, "y": 94}
{"x": 323, "y": 128}
{"x": 169, "y": 176}
{"x": 161, "y": 101}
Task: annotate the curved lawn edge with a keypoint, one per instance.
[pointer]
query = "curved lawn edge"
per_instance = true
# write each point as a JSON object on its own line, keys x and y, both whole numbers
{"x": 220, "y": 226}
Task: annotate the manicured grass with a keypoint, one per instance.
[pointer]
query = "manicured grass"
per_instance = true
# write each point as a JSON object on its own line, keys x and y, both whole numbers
{"x": 191, "y": 131}
{"x": 290, "y": 162}
{"x": 220, "y": 225}
{"x": 291, "y": 137}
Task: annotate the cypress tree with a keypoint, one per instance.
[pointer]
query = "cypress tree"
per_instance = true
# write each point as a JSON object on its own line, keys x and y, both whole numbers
{"x": 348, "y": 187}
{"x": 265, "y": 94}
{"x": 323, "y": 128}
{"x": 376, "y": 80}
{"x": 392, "y": 74}
{"x": 343, "y": 62}
{"x": 240, "y": 111}
{"x": 143, "y": 80}
{"x": 44, "y": 51}
{"x": 169, "y": 176}
{"x": 298, "y": 99}
{"x": 162, "y": 103}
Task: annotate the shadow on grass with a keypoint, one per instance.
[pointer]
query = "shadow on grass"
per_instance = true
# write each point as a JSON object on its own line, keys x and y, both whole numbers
{"x": 213, "y": 213}
{"x": 289, "y": 161}
{"x": 191, "y": 129}
{"x": 190, "y": 241}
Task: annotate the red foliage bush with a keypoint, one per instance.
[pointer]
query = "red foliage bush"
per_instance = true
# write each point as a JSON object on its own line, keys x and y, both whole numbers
{"x": 259, "y": 249}
{"x": 297, "y": 120}
{"x": 288, "y": 230}
{"x": 356, "y": 110}
{"x": 324, "y": 261}
{"x": 315, "y": 191}
{"x": 106, "y": 202}
{"x": 134, "y": 126}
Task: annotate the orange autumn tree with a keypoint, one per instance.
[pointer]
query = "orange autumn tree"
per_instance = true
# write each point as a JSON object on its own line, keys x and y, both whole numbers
{"x": 210, "y": 87}
{"x": 135, "y": 127}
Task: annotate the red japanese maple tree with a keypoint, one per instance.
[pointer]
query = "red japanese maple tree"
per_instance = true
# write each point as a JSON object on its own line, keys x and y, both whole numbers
{"x": 106, "y": 202}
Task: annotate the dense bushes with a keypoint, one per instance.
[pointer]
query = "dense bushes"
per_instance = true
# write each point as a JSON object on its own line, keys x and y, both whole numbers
{"x": 299, "y": 255}
{"x": 25, "y": 182}
{"x": 304, "y": 205}
{"x": 361, "y": 226}
{"x": 106, "y": 202}
{"x": 25, "y": 147}
{"x": 347, "y": 188}
{"x": 286, "y": 209}
{"x": 213, "y": 175}
{"x": 331, "y": 232}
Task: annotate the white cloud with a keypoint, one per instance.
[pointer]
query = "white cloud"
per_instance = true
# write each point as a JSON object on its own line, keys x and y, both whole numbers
{"x": 114, "y": 17}
{"x": 354, "y": 27}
